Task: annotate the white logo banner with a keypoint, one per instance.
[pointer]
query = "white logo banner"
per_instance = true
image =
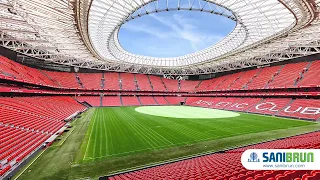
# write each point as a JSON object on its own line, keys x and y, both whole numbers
{"x": 281, "y": 159}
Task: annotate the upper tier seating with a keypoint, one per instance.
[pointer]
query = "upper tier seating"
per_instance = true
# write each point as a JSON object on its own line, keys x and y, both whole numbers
{"x": 216, "y": 83}
{"x": 111, "y": 101}
{"x": 92, "y": 100}
{"x": 157, "y": 83}
{"x": 40, "y": 77}
{"x": 128, "y": 82}
{"x": 288, "y": 75}
{"x": 8, "y": 69}
{"x": 174, "y": 100}
{"x": 23, "y": 73}
{"x": 188, "y": 86}
{"x": 204, "y": 85}
{"x": 232, "y": 78}
{"x": 244, "y": 79}
{"x": 27, "y": 122}
{"x": 147, "y": 100}
{"x": 143, "y": 82}
{"x": 161, "y": 100}
{"x": 171, "y": 84}
{"x": 263, "y": 77}
{"x": 221, "y": 166}
{"x": 91, "y": 80}
{"x": 312, "y": 76}
{"x": 130, "y": 101}
{"x": 64, "y": 79}
{"x": 111, "y": 81}
{"x": 283, "y": 76}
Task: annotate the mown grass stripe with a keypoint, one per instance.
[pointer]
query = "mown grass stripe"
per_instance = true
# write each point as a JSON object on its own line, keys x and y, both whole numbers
{"x": 91, "y": 130}
{"x": 122, "y": 131}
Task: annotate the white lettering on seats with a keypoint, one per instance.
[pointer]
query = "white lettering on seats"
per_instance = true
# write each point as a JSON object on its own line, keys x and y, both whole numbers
{"x": 267, "y": 108}
{"x": 221, "y": 104}
{"x": 310, "y": 110}
{"x": 287, "y": 109}
{"x": 242, "y": 105}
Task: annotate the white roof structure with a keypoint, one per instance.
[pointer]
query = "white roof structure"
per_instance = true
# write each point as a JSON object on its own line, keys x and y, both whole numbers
{"x": 84, "y": 33}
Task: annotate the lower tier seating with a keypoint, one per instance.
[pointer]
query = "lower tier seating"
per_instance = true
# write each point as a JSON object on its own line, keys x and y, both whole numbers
{"x": 16, "y": 144}
{"x": 223, "y": 103}
{"x": 111, "y": 101}
{"x": 49, "y": 108}
{"x": 27, "y": 122}
{"x": 92, "y": 100}
{"x": 147, "y": 100}
{"x": 130, "y": 101}
{"x": 174, "y": 100}
{"x": 306, "y": 108}
{"x": 201, "y": 102}
{"x": 271, "y": 106}
{"x": 161, "y": 100}
{"x": 297, "y": 108}
{"x": 221, "y": 166}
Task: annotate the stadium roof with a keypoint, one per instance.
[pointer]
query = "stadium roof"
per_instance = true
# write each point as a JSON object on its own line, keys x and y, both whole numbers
{"x": 84, "y": 33}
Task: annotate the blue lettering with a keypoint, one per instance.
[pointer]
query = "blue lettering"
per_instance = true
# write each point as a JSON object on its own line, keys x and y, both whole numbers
{"x": 272, "y": 157}
{"x": 279, "y": 157}
{"x": 265, "y": 157}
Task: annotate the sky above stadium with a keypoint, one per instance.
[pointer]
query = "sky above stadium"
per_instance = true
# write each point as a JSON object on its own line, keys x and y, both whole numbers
{"x": 173, "y": 33}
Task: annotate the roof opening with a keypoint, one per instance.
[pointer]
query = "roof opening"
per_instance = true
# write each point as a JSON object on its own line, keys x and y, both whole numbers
{"x": 173, "y": 33}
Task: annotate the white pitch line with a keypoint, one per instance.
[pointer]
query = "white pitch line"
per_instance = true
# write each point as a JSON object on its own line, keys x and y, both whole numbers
{"x": 106, "y": 134}
{"x": 161, "y": 136}
{"x": 85, "y": 154}
{"x": 30, "y": 164}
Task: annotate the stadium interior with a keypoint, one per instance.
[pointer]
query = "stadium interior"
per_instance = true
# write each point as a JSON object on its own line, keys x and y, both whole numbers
{"x": 72, "y": 98}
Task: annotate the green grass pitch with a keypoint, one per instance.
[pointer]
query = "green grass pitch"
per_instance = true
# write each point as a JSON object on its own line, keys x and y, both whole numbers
{"x": 108, "y": 140}
{"x": 120, "y": 131}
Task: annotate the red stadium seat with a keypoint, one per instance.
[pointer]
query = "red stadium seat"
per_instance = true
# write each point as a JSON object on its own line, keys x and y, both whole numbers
{"x": 92, "y": 100}
{"x": 227, "y": 165}
{"x": 27, "y": 122}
